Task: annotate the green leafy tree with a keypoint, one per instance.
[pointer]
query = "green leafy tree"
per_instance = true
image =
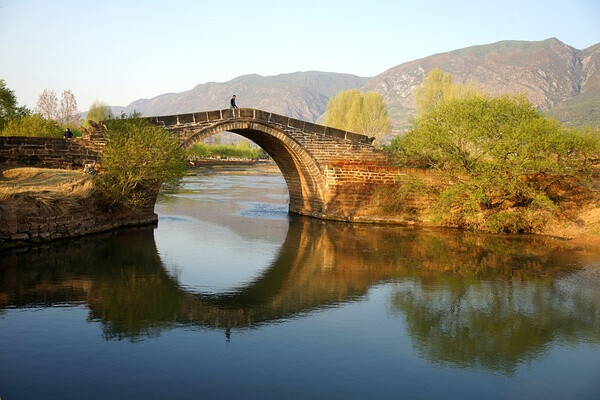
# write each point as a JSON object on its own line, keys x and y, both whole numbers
{"x": 98, "y": 112}
{"x": 354, "y": 111}
{"x": 8, "y": 105}
{"x": 436, "y": 88}
{"x": 500, "y": 156}
{"x": 138, "y": 158}
{"x": 32, "y": 125}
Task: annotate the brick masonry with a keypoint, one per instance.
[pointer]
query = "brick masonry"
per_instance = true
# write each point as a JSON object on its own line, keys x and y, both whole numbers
{"x": 330, "y": 173}
{"x": 48, "y": 152}
{"x": 25, "y": 219}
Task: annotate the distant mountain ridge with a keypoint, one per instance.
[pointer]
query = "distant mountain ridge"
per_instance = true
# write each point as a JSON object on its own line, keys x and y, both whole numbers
{"x": 557, "y": 78}
{"x": 302, "y": 95}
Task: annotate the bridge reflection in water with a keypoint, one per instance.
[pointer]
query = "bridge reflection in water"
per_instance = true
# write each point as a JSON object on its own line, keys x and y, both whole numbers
{"x": 483, "y": 301}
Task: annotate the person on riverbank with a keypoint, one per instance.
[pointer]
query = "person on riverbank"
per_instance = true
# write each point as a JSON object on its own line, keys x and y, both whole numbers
{"x": 68, "y": 134}
{"x": 232, "y": 103}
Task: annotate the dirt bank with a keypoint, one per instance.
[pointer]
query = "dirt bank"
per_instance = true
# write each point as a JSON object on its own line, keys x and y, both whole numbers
{"x": 38, "y": 204}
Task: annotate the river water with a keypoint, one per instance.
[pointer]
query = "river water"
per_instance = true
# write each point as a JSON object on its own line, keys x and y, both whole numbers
{"x": 230, "y": 297}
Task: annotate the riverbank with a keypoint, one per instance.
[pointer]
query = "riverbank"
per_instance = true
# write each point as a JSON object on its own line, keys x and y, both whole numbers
{"x": 39, "y": 204}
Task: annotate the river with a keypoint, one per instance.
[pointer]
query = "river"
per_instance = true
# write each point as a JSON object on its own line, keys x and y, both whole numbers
{"x": 231, "y": 297}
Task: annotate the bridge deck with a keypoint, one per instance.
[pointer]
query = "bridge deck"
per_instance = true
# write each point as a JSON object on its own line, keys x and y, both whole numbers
{"x": 251, "y": 114}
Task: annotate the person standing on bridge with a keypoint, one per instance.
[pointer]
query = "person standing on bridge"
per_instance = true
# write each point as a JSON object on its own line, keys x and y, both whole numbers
{"x": 232, "y": 102}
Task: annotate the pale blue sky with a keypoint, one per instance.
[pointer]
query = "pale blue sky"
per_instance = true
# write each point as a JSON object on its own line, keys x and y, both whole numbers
{"x": 120, "y": 51}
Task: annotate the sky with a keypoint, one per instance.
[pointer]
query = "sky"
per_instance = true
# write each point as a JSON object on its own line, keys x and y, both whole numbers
{"x": 119, "y": 51}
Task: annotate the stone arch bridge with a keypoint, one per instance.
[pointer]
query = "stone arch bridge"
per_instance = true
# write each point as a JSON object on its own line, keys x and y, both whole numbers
{"x": 330, "y": 173}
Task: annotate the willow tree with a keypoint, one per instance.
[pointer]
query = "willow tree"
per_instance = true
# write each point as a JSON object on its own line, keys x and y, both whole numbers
{"x": 437, "y": 87}
{"x": 353, "y": 111}
{"x": 98, "y": 112}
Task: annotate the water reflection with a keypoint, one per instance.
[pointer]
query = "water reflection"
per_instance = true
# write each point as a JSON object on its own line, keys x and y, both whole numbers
{"x": 487, "y": 302}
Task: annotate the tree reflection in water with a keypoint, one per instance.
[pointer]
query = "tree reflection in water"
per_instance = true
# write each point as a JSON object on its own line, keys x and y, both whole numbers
{"x": 478, "y": 301}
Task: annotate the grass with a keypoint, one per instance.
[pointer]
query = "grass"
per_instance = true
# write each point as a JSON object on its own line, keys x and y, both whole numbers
{"x": 52, "y": 189}
{"x": 223, "y": 150}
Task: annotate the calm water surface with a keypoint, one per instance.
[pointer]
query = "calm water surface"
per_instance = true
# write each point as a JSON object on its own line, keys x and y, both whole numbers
{"x": 231, "y": 297}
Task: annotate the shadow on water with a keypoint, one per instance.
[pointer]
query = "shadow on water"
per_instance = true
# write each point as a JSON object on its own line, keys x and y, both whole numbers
{"x": 488, "y": 302}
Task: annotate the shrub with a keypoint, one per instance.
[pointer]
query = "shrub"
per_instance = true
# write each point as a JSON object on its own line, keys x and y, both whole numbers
{"x": 138, "y": 158}
{"x": 498, "y": 154}
{"x": 32, "y": 125}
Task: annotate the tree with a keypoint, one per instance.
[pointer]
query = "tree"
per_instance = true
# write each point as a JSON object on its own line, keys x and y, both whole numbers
{"x": 32, "y": 125}
{"x": 436, "y": 88}
{"x": 68, "y": 109}
{"x": 98, "y": 112}
{"x": 137, "y": 159}
{"x": 47, "y": 105}
{"x": 8, "y": 106}
{"x": 500, "y": 156}
{"x": 353, "y": 111}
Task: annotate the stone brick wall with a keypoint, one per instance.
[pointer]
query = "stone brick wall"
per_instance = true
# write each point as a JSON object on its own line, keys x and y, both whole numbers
{"x": 330, "y": 173}
{"x": 25, "y": 220}
{"x": 47, "y": 152}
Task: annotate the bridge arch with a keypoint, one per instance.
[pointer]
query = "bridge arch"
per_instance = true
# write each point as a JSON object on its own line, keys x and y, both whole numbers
{"x": 330, "y": 173}
{"x": 302, "y": 173}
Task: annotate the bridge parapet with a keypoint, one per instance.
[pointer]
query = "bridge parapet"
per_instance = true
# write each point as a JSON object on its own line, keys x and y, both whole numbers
{"x": 250, "y": 114}
{"x": 330, "y": 173}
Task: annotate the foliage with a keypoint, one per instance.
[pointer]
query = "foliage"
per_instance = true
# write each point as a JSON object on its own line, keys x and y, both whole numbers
{"x": 137, "y": 159}
{"x": 500, "y": 156}
{"x": 356, "y": 112}
{"x": 8, "y": 106}
{"x": 98, "y": 112}
{"x": 398, "y": 197}
{"x": 32, "y": 125}
{"x": 436, "y": 88}
{"x": 240, "y": 150}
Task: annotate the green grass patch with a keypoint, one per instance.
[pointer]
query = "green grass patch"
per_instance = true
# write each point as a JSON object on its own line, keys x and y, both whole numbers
{"x": 240, "y": 150}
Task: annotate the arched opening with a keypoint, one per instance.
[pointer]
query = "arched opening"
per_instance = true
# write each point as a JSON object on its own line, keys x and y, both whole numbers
{"x": 302, "y": 174}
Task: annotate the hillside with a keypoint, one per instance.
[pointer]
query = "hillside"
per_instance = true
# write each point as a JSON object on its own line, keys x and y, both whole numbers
{"x": 559, "y": 79}
{"x": 556, "y": 77}
{"x": 302, "y": 95}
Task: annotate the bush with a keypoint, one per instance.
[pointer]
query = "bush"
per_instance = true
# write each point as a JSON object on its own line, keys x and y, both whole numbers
{"x": 498, "y": 154}
{"x": 32, "y": 125}
{"x": 138, "y": 158}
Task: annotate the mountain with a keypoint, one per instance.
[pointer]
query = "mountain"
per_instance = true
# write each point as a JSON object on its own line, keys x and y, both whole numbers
{"x": 585, "y": 107}
{"x": 558, "y": 79}
{"x": 302, "y": 95}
